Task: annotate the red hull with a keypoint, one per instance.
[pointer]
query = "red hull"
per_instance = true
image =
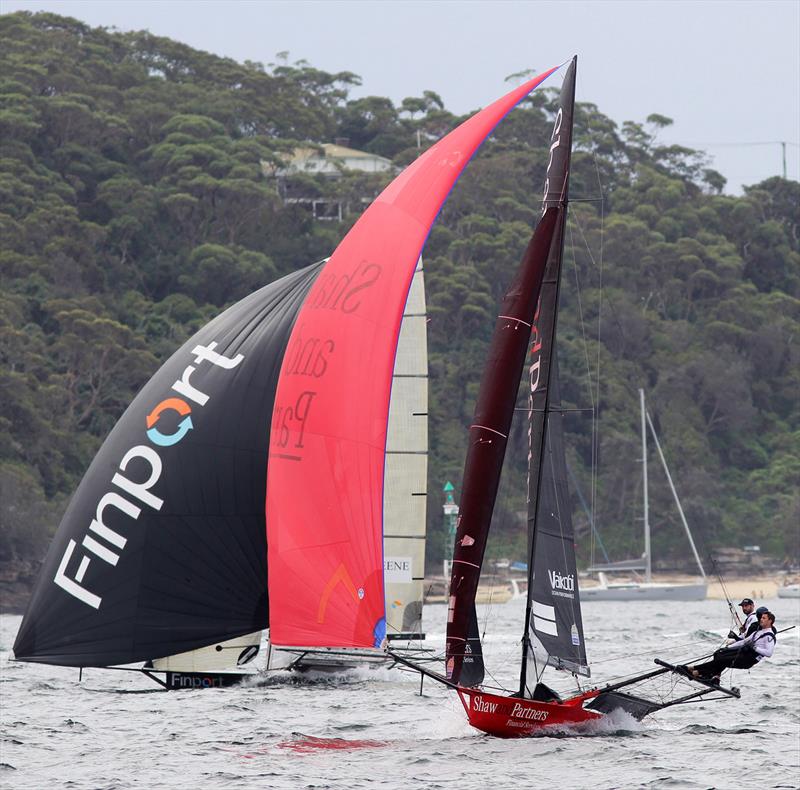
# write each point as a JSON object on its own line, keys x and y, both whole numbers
{"x": 512, "y": 717}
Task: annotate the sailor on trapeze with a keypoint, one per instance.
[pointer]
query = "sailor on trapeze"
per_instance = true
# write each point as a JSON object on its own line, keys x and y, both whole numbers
{"x": 751, "y": 618}
{"x": 742, "y": 654}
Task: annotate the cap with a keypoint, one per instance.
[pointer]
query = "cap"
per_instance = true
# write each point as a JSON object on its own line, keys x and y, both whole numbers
{"x": 761, "y": 610}
{"x": 746, "y": 600}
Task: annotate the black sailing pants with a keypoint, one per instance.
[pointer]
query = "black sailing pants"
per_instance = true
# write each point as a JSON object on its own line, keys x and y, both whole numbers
{"x": 728, "y": 657}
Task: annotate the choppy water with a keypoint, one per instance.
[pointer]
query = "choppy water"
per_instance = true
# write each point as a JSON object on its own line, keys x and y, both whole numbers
{"x": 370, "y": 729}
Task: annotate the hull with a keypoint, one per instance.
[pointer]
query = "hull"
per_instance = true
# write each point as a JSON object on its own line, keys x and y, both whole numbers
{"x": 214, "y": 666}
{"x": 321, "y": 659}
{"x": 645, "y": 592}
{"x": 335, "y": 660}
{"x": 511, "y": 717}
{"x": 214, "y": 658}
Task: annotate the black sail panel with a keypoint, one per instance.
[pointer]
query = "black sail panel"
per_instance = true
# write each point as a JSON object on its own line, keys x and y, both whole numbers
{"x": 162, "y": 548}
{"x": 555, "y": 604}
{"x": 544, "y": 329}
{"x": 554, "y": 632}
{"x": 472, "y": 670}
{"x": 488, "y": 437}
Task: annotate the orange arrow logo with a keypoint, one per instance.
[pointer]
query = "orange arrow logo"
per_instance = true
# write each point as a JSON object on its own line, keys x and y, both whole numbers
{"x": 340, "y": 575}
{"x": 178, "y": 405}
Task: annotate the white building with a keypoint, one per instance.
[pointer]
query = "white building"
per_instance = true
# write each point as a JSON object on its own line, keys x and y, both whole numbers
{"x": 330, "y": 158}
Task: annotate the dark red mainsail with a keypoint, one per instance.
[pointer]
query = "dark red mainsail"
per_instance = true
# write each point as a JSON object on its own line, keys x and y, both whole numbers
{"x": 488, "y": 436}
{"x": 539, "y": 276}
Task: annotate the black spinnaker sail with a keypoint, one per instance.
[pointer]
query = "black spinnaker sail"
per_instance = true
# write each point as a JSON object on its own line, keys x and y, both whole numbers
{"x": 162, "y": 549}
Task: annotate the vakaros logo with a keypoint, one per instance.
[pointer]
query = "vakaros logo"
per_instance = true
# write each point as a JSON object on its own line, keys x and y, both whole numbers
{"x": 128, "y": 496}
{"x": 559, "y": 582}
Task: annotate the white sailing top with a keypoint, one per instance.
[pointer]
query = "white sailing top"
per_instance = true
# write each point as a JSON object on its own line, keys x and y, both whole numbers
{"x": 748, "y": 621}
{"x": 762, "y": 641}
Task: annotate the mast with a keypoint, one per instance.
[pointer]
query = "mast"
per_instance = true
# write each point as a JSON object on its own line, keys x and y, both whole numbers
{"x": 552, "y": 613}
{"x": 647, "y": 558}
{"x": 675, "y": 496}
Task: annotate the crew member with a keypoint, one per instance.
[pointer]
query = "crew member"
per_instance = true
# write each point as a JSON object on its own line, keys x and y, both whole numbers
{"x": 750, "y": 619}
{"x": 742, "y": 654}
{"x": 755, "y": 625}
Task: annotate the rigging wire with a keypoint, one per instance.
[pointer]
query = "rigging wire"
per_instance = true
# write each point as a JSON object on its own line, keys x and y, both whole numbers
{"x": 599, "y": 264}
{"x": 596, "y": 420}
{"x": 650, "y": 652}
{"x": 575, "y": 220}
{"x": 748, "y": 144}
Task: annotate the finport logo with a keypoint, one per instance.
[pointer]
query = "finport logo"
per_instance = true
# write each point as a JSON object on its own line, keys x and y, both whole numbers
{"x": 129, "y": 496}
{"x": 174, "y": 404}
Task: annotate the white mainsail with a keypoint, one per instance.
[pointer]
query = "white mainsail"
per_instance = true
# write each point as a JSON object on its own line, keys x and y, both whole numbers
{"x": 406, "y": 470}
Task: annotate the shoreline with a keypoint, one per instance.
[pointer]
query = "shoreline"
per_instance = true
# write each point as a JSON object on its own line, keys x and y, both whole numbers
{"x": 761, "y": 586}
{"x": 14, "y": 596}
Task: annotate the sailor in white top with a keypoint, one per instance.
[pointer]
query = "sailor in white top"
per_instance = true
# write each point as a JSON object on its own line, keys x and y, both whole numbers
{"x": 742, "y": 654}
{"x": 751, "y": 616}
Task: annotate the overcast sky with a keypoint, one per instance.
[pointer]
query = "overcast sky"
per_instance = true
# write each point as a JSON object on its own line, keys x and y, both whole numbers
{"x": 727, "y": 72}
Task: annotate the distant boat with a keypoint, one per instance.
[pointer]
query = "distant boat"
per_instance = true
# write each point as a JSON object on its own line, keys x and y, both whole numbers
{"x": 643, "y": 591}
{"x": 789, "y": 591}
{"x": 647, "y": 590}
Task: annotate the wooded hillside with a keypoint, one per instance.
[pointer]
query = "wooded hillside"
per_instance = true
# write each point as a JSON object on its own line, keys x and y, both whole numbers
{"x": 138, "y": 197}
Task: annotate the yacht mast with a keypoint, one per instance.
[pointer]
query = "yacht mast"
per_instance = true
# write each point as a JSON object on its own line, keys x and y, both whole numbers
{"x": 675, "y": 495}
{"x": 647, "y": 560}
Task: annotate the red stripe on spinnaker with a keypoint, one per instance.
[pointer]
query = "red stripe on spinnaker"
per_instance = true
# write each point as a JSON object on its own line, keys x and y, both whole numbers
{"x": 325, "y": 481}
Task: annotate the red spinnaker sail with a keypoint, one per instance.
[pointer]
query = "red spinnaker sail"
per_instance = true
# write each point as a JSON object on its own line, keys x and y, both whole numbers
{"x": 325, "y": 482}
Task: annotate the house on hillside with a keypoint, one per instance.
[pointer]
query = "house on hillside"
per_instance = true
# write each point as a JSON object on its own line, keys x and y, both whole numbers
{"x": 332, "y": 161}
{"x": 330, "y": 158}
